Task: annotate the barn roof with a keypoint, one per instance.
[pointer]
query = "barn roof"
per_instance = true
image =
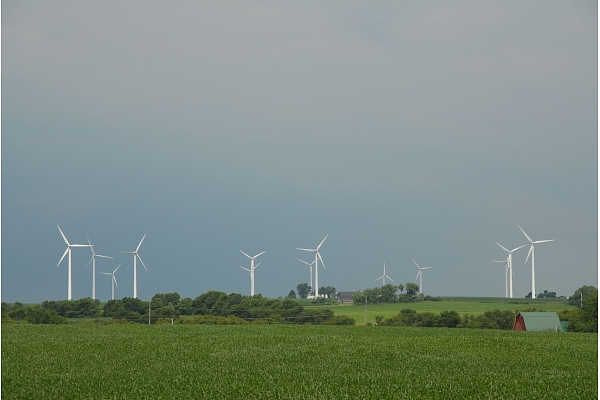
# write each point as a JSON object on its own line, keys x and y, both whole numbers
{"x": 541, "y": 321}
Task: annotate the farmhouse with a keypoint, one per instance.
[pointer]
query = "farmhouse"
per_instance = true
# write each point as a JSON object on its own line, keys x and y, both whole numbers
{"x": 345, "y": 297}
{"x": 537, "y": 322}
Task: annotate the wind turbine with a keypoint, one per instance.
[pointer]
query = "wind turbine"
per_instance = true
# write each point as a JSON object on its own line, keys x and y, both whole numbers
{"x": 420, "y": 274}
{"x": 310, "y": 265}
{"x": 509, "y": 259}
{"x": 135, "y": 257}
{"x": 506, "y": 269}
{"x": 532, "y": 253}
{"x": 68, "y": 250}
{"x": 114, "y": 280}
{"x": 93, "y": 261}
{"x": 384, "y": 276}
{"x": 317, "y": 258}
{"x": 251, "y": 270}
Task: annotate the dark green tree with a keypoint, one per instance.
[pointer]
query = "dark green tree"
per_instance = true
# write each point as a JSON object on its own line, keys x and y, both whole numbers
{"x": 412, "y": 290}
{"x": 303, "y": 289}
{"x": 575, "y": 298}
{"x": 291, "y": 294}
{"x": 328, "y": 290}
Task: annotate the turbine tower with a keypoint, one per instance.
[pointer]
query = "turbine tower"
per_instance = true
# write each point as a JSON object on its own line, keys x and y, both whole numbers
{"x": 506, "y": 269}
{"x": 251, "y": 270}
{"x": 310, "y": 283}
{"x": 317, "y": 258}
{"x": 532, "y": 253}
{"x": 93, "y": 261}
{"x": 135, "y": 257}
{"x": 509, "y": 259}
{"x": 68, "y": 250}
{"x": 384, "y": 276}
{"x": 114, "y": 280}
{"x": 420, "y": 275}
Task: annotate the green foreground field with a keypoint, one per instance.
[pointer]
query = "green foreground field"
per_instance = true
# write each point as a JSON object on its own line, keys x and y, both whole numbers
{"x": 472, "y": 306}
{"x": 293, "y": 362}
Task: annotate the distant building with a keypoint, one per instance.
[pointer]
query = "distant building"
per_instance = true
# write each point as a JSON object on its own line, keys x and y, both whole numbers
{"x": 537, "y": 322}
{"x": 345, "y": 297}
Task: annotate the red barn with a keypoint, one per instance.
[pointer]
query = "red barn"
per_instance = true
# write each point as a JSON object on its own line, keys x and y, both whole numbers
{"x": 537, "y": 322}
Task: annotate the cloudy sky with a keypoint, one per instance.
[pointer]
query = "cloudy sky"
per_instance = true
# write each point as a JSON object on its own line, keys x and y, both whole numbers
{"x": 425, "y": 130}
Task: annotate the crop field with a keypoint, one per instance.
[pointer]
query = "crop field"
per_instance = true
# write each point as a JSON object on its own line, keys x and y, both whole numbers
{"x": 293, "y": 362}
{"x": 471, "y": 306}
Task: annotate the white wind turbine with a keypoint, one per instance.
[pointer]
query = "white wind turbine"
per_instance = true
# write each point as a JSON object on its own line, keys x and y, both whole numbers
{"x": 420, "y": 275}
{"x": 311, "y": 275}
{"x": 68, "y": 250}
{"x": 251, "y": 270}
{"x": 506, "y": 269}
{"x": 532, "y": 253}
{"x": 93, "y": 261}
{"x": 135, "y": 257}
{"x": 114, "y": 280}
{"x": 317, "y": 258}
{"x": 384, "y": 276}
{"x": 509, "y": 266}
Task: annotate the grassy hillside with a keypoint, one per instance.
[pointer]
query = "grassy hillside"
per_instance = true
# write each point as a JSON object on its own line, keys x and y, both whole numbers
{"x": 463, "y": 305}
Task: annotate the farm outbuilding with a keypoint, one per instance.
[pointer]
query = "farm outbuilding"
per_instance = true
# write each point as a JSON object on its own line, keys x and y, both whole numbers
{"x": 345, "y": 297}
{"x": 537, "y": 322}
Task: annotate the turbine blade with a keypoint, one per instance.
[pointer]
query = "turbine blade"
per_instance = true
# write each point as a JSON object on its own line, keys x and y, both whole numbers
{"x": 91, "y": 259}
{"x": 390, "y": 279}
{"x": 528, "y": 254}
{"x": 319, "y": 246}
{"x": 64, "y": 254}
{"x": 517, "y": 248}
{"x": 302, "y": 261}
{"x": 544, "y": 241}
{"x": 245, "y": 268}
{"x": 91, "y": 247}
{"x": 259, "y": 254}
{"x": 127, "y": 252}
{"x": 416, "y": 264}
{"x": 105, "y": 273}
{"x": 140, "y": 258}
{"x": 311, "y": 250}
{"x": 379, "y": 277}
{"x": 528, "y": 238}
{"x": 432, "y": 267}
{"x": 116, "y": 268}
{"x": 417, "y": 277}
{"x": 503, "y": 248}
{"x": 256, "y": 266}
{"x": 246, "y": 255}
{"x": 140, "y": 245}
{"x": 322, "y": 263}
{"x": 115, "y": 279}
{"x": 63, "y": 235}
{"x": 98, "y": 255}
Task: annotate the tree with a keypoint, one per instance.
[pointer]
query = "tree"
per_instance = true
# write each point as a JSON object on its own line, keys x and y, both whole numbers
{"x": 400, "y": 288}
{"x": 303, "y": 289}
{"x": 412, "y": 289}
{"x": 291, "y": 294}
{"x": 575, "y": 298}
{"x": 328, "y": 290}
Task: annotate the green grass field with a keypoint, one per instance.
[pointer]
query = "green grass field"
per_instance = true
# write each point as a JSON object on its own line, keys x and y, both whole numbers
{"x": 463, "y": 305}
{"x": 293, "y": 362}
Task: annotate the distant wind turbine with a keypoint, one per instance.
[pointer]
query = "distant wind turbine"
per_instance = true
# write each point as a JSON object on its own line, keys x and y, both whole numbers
{"x": 420, "y": 275}
{"x": 509, "y": 266}
{"x": 114, "y": 280}
{"x": 532, "y": 253}
{"x": 251, "y": 270}
{"x": 384, "y": 276}
{"x": 317, "y": 258}
{"x": 93, "y": 261}
{"x": 310, "y": 283}
{"x": 68, "y": 250}
{"x": 135, "y": 257}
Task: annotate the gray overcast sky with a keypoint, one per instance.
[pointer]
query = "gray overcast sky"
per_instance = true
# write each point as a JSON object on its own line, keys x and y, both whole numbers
{"x": 418, "y": 129}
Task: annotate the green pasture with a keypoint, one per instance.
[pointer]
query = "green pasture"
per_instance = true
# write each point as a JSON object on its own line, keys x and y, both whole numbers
{"x": 293, "y": 362}
{"x": 462, "y": 305}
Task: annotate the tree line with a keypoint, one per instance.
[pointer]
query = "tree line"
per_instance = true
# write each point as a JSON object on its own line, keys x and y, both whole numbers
{"x": 210, "y": 307}
{"x": 389, "y": 294}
